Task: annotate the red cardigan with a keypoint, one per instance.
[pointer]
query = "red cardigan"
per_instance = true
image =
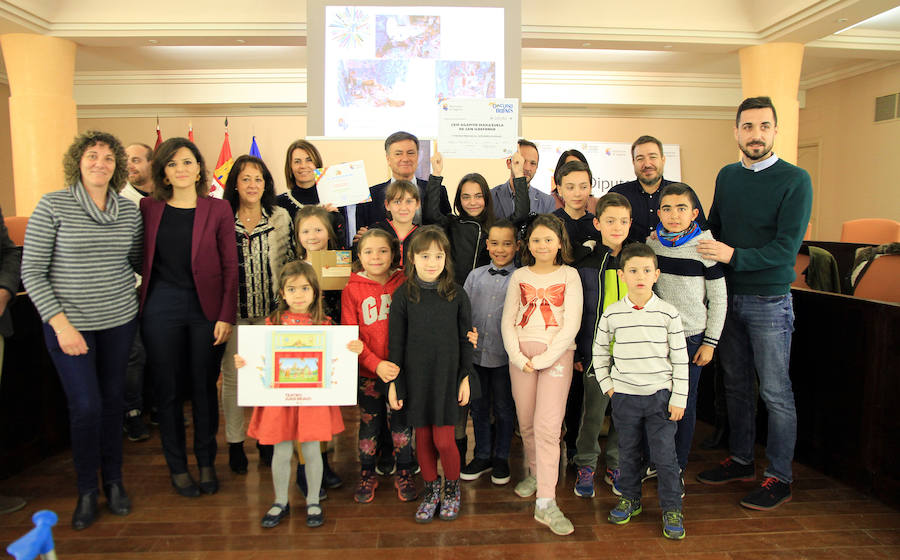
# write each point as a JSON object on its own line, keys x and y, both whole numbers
{"x": 214, "y": 262}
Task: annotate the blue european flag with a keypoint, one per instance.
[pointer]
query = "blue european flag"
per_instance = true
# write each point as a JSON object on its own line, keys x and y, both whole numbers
{"x": 254, "y": 149}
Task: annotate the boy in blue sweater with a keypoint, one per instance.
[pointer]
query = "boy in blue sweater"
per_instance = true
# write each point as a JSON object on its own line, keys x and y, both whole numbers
{"x": 695, "y": 286}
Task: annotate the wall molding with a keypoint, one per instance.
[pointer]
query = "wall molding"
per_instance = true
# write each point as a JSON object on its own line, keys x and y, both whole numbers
{"x": 824, "y": 78}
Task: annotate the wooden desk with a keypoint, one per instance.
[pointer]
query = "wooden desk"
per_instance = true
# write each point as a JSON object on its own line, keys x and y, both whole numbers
{"x": 845, "y": 367}
{"x": 34, "y": 417}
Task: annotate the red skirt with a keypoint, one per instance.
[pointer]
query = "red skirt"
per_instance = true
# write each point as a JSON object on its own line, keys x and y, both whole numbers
{"x": 274, "y": 424}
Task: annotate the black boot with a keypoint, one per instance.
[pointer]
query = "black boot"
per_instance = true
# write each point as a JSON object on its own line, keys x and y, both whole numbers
{"x": 330, "y": 479}
{"x": 265, "y": 454}
{"x": 462, "y": 445}
{"x": 117, "y": 500}
{"x": 85, "y": 511}
{"x": 237, "y": 459}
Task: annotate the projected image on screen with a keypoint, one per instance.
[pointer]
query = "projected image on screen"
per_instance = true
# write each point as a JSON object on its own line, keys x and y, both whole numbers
{"x": 407, "y": 36}
{"x": 372, "y": 83}
{"x": 388, "y": 67}
{"x": 454, "y": 78}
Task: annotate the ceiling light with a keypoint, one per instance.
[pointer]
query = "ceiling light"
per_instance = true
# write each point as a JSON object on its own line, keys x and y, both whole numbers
{"x": 240, "y": 41}
{"x": 585, "y": 44}
{"x": 152, "y": 41}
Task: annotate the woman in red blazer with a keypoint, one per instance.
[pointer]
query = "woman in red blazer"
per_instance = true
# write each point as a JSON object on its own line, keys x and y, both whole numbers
{"x": 188, "y": 303}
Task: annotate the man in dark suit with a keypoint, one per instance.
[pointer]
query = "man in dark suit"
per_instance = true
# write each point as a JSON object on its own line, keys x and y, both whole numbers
{"x": 402, "y": 153}
{"x": 10, "y": 263}
{"x": 643, "y": 193}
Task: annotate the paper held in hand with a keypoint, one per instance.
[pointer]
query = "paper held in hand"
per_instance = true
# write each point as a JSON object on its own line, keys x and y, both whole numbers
{"x": 343, "y": 184}
{"x": 478, "y": 128}
{"x": 297, "y": 365}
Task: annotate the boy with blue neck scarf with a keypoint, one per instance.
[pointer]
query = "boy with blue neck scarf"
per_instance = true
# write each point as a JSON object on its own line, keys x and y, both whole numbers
{"x": 695, "y": 286}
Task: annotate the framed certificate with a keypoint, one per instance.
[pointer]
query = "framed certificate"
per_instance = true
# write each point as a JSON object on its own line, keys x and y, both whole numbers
{"x": 297, "y": 365}
{"x": 478, "y": 128}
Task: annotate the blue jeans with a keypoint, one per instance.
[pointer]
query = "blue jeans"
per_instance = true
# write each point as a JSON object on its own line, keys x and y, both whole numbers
{"x": 635, "y": 416}
{"x": 756, "y": 340}
{"x": 685, "y": 434}
{"x": 94, "y": 384}
{"x": 495, "y": 390}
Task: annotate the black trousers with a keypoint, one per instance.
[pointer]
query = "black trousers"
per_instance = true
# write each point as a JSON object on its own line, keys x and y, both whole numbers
{"x": 184, "y": 364}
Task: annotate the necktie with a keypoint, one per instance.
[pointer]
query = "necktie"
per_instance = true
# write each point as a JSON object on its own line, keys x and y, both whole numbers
{"x": 494, "y": 272}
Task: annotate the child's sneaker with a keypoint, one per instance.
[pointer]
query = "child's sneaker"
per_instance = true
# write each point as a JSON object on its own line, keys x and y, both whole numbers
{"x": 673, "y": 525}
{"x": 527, "y": 487}
{"x": 365, "y": 490}
{"x": 500, "y": 471}
{"x": 552, "y": 517}
{"x": 648, "y": 473}
{"x": 624, "y": 511}
{"x": 584, "y": 484}
{"x": 612, "y": 475}
{"x": 430, "y": 500}
{"x": 475, "y": 469}
{"x": 405, "y": 485}
{"x": 450, "y": 500}
{"x": 728, "y": 470}
{"x": 769, "y": 495}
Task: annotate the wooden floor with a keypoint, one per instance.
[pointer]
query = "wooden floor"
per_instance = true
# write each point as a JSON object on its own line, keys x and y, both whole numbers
{"x": 826, "y": 519}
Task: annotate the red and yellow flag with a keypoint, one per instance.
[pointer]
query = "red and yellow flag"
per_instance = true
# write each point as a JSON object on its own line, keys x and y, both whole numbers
{"x": 223, "y": 167}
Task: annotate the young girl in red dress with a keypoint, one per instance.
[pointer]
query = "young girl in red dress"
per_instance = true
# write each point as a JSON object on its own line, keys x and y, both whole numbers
{"x": 301, "y": 304}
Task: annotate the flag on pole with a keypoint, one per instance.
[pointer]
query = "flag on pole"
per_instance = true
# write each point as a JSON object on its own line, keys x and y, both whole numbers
{"x": 158, "y": 134}
{"x": 190, "y": 131}
{"x": 223, "y": 167}
{"x": 254, "y": 149}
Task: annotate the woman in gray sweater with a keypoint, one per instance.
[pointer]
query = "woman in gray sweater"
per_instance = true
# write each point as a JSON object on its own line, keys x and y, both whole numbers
{"x": 82, "y": 247}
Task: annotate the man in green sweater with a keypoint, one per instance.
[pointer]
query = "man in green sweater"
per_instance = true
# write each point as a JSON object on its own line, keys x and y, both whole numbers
{"x": 759, "y": 214}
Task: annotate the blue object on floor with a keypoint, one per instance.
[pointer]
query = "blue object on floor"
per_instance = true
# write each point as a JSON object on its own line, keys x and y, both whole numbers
{"x": 38, "y": 541}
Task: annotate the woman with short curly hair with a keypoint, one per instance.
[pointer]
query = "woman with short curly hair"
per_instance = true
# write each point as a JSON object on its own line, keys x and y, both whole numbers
{"x": 82, "y": 247}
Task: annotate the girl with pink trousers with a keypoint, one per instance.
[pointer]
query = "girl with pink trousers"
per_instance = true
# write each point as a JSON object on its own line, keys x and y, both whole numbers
{"x": 541, "y": 316}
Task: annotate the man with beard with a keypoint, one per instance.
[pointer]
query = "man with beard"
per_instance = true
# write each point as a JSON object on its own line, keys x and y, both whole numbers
{"x": 140, "y": 183}
{"x": 503, "y": 195}
{"x": 643, "y": 193}
{"x": 759, "y": 215}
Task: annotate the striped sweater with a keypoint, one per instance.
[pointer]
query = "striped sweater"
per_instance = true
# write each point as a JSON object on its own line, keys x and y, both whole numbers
{"x": 694, "y": 285}
{"x": 650, "y": 353}
{"x": 81, "y": 261}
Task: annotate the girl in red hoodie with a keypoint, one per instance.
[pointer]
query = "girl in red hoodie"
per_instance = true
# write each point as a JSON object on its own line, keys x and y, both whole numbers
{"x": 366, "y": 301}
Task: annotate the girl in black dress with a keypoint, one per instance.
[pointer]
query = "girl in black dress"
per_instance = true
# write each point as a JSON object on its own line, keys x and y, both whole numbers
{"x": 428, "y": 338}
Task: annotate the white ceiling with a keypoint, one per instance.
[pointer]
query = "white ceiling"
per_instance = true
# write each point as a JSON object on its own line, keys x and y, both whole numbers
{"x": 686, "y": 41}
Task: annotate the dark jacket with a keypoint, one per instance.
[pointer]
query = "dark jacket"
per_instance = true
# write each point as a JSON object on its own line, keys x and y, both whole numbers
{"x": 10, "y": 265}
{"x": 601, "y": 287}
{"x": 213, "y": 255}
{"x": 467, "y": 235}
{"x": 370, "y": 213}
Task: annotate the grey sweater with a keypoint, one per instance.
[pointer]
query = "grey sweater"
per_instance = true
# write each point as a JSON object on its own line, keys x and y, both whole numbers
{"x": 81, "y": 261}
{"x": 649, "y": 353}
{"x": 694, "y": 285}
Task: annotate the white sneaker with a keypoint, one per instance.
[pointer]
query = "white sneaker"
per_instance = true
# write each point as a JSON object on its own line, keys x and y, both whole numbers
{"x": 526, "y": 488}
{"x": 552, "y": 517}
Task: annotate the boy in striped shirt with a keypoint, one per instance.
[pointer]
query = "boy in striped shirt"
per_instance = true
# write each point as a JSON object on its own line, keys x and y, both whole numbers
{"x": 641, "y": 362}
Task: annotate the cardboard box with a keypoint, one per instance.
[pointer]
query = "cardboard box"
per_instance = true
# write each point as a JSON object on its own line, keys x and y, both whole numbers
{"x": 332, "y": 268}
